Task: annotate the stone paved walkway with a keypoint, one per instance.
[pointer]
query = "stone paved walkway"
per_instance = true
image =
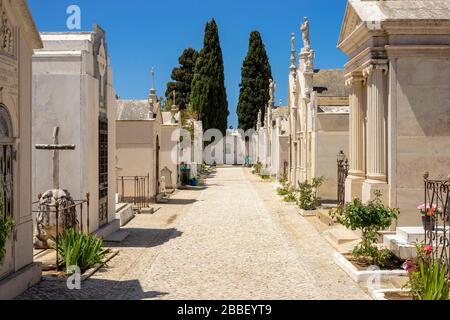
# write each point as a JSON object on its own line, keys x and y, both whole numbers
{"x": 233, "y": 240}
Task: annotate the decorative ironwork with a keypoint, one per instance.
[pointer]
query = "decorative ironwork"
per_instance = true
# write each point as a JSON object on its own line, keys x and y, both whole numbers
{"x": 342, "y": 169}
{"x": 54, "y": 210}
{"x": 103, "y": 171}
{"x": 437, "y": 200}
{"x": 7, "y": 153}
{"x": 134, "y": 190}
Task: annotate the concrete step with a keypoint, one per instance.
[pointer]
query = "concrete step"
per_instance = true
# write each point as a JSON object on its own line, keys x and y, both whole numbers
{"x": 410, "y": 235}
{"x": 324, "y": 216}
{"x": 398, "y": 246}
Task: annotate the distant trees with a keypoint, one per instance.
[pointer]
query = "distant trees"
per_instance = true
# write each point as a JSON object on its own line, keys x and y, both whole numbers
{"x": 182, "y": 77}
{"x": 254, "y": 87}
{"x": 208, "y": 96}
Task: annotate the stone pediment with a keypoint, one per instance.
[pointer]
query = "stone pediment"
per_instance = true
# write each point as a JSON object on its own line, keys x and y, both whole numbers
{"x": 351, "y": 22}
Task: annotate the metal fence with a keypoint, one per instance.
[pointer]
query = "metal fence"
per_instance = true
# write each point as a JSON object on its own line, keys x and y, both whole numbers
{"x": 342, "y": 174}
{"x": 58, "y": 213}
{"x": 437, "y": 207}
{"x": 134, "y": 190}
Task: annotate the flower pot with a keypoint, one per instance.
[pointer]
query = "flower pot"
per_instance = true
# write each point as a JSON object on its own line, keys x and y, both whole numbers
{"x": 429, "y": 223}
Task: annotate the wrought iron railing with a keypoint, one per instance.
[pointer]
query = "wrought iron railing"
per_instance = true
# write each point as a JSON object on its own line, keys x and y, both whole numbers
{"x": 134, "y": 190}
{"x": 81, "y": 209}
{"x": 342, "y": 174}
{"x": 437, "y": 199}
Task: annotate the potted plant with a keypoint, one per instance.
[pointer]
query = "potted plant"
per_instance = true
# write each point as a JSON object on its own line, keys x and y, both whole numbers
{"x": 428, "y": 213}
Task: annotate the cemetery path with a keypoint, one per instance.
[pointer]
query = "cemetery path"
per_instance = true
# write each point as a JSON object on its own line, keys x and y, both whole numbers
{"x": 233, "y": 240}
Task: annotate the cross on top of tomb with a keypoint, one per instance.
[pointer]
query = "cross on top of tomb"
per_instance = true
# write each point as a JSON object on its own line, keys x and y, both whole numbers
{"x": 55, "y": 147}
{"x": 102, "y": 64}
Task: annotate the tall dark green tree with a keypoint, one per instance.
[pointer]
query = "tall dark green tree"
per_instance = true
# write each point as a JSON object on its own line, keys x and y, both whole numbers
{"x": 182, "y": 77}
{"x": 208, "y": 93}
{"x": 254, "y": 87}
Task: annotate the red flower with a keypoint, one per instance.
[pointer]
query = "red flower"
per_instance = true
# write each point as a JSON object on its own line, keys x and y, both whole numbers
{"x": 428, "y": 249}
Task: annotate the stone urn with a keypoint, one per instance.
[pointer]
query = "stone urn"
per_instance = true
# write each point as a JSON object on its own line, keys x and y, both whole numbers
{"x": 45, "y": 219}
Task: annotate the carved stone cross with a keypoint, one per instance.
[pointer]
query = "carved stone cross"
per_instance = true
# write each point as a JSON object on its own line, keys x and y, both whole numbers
{"x": 55, "y": 147}
{"x": 101, "y": 60}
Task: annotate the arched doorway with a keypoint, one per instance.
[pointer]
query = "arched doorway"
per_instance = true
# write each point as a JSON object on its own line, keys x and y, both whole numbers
{"x": 6, "y": 162}
{"x": 157, "y": 156}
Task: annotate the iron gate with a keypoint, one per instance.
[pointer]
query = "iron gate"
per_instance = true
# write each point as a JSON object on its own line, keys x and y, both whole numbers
{"x": 342, "y": 174}
{"x": 437, "y": 197}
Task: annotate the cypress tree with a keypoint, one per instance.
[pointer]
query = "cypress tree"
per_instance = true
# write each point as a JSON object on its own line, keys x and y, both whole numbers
{"x": 208, "y": 94}
{"x": 254, "y": 87}
{"x": 182, "y": 77}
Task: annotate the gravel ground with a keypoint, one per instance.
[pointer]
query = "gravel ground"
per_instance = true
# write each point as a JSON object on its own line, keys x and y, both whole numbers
{"x": 233, "y": 240}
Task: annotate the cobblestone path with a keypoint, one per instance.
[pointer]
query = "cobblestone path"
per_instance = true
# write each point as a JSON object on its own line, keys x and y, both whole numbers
{"x": 233, "y": 240}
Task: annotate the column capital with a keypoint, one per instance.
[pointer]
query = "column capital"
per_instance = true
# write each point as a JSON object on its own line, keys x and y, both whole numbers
{"x": 369, "y": 68}
{"x": 354, "y": 78}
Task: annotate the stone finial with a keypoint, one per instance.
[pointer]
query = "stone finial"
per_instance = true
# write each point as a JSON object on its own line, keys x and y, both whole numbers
{"x": 426, "y": 175}
{"x": 153, "y": 77}
{"x": 293, "y": 52}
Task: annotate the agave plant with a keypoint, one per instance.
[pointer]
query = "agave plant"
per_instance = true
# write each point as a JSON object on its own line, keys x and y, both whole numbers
{"x": 80, "y": 249}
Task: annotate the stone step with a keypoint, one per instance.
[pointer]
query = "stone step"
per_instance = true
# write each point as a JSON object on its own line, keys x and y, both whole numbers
{"x": 324, "y": 216}
{"x": 411, "y": 235}
{"x": 398, "y": 246}
{"x": 125, "y": 213}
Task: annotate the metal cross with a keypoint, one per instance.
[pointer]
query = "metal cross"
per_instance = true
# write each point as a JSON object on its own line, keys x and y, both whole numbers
{"x": 55, "y": 147}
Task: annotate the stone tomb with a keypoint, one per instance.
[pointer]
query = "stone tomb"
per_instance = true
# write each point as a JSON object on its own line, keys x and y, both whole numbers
{"x": 18, "y": 38}
{"x": 398, "y": 75}
{"x": 72, "y": 79}
{"x": 318, "y": 119}
{"x": 147, "y": 143}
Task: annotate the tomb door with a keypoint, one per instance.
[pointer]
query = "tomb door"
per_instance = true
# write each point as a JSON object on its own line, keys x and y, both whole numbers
{"x": 103, "y": 170}
{"x": 157, "y": 156}
{"x": 7, "y": 152}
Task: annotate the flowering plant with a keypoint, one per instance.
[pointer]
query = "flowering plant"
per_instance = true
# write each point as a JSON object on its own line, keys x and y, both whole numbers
{"x": 428, "y": 277}
{"x": 428, "y": 210}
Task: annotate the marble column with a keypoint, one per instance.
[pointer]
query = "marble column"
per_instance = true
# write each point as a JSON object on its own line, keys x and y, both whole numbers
{"x": 376, "y": 131}
{"x": 357, "y": 174}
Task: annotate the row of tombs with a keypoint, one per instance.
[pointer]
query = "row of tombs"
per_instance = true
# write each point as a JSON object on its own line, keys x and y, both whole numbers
{"x": 387, "y": 110}
{"x": 70, "y": 149}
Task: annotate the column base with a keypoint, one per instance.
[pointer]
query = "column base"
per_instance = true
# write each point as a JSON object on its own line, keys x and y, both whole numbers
{"x": 370, "y": 186}
{"x": 353, "y": 188}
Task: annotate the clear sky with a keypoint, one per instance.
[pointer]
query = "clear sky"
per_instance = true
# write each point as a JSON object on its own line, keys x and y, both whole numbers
{"x": 143, "y": 33}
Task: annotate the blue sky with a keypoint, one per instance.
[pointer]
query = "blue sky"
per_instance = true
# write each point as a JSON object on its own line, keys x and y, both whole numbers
{"x": 143, "y": 33}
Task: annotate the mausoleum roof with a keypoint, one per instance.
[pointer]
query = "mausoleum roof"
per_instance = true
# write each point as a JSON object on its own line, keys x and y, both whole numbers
{"x": 329, "y": 83}
{"x": 133, "y": 110}
{"x": 401, "y": 9}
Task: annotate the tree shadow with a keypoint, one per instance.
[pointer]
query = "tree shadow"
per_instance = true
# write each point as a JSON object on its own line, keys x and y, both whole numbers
{"x": 146, "y": 238}
{"x": 181, "y": 201}
{"x": 91, "y": 289}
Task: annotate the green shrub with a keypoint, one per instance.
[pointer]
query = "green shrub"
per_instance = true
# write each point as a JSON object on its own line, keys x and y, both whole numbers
{"x": 257, "y": 168}
{"x": 428, "y": 277}
{"x": 290, "y": 197}
{"x": 308, "y": 194}
{"x": 283, "y": 191}
{"x": 6, "y": 226}
{"x": 370, "y": 219}
{"x": 80, "y": 249}
{"x": 283, "y": 179}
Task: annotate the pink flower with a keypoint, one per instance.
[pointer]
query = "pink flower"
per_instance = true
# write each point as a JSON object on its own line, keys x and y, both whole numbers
{"x": 409, "y": 266}
{"x": 428, "y": 249}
